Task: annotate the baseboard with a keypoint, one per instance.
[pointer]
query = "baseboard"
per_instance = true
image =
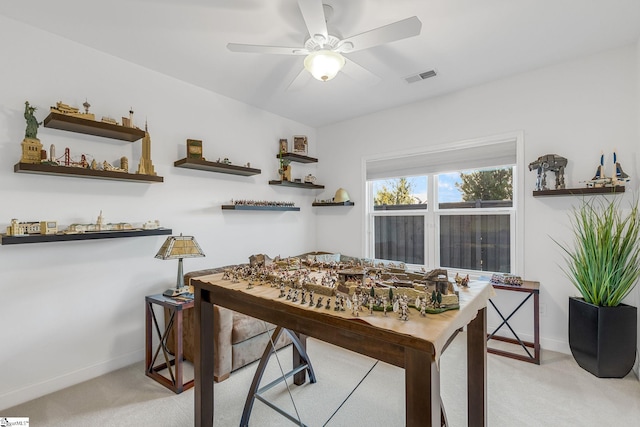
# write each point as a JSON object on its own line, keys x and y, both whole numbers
{"x": 33, "y": 391}
{"x": 555, "y": 345}
{"x": 545, "y": 343}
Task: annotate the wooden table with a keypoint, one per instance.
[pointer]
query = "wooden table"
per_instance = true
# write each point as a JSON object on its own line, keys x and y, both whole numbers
{"x": 414, "y": 345}
{"x": 531, "y": 289}
{"x": 173, "y": 365}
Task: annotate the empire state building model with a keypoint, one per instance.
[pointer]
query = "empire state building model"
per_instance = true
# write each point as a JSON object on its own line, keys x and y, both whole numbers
{"x": 145, "y": 167}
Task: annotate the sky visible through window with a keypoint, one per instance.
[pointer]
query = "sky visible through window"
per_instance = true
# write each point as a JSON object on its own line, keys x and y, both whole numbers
{"x": 447, "y": 190}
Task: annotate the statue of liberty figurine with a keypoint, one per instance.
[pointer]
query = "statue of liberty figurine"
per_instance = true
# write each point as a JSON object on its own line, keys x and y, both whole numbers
{"x": 31, "y": 147}
{"x": 32, "y": 122}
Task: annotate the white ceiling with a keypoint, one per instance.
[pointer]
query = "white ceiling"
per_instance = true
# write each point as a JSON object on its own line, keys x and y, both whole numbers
{"x": 468, "y": 42}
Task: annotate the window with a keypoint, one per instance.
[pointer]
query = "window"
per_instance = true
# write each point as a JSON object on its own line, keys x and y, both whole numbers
{"x": 474, "y": 217}
{"x": 449, "y": 216}
{"x": 400, "y": 236}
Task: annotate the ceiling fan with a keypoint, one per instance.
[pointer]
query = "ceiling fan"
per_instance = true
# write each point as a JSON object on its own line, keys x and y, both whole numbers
{"x": 324, "y": 51}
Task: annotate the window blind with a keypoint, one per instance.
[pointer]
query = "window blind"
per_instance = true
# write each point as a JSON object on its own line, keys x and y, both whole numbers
{"x": 445, "y": 159}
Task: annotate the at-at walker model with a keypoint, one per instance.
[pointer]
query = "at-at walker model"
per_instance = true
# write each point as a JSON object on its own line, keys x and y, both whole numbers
{"x": 549, "y": 162}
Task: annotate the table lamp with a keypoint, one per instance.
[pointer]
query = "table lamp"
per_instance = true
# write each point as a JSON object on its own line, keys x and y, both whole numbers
{"x": 178, "y": 247}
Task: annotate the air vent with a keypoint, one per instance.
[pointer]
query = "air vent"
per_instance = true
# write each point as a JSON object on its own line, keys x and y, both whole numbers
{"x": 421, "y": 76}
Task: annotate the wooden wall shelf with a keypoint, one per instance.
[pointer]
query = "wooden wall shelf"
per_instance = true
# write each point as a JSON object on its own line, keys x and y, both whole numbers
{"x": 42, "y": 238}
{"x": 579, "y": 191}
{"x": 92, "y": 127}
{"x": 204, "y": 165}
{"x": 296, "y": 184}
{"x": 333, "y": 204}
{"x": 297, "y": 158}
{"x": 259, "y": 208}
{"x": 38, "y": 168}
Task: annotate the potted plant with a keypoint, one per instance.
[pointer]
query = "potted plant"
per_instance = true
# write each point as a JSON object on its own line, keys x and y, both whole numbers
{"x": 604, "y": 265}
{"x": 285, "y": 170}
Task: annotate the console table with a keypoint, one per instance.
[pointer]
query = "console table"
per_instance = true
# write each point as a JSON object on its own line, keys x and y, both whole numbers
{"x": 414, "y": 345}
{"x": 532, "y": 289}
{"x": 175, "y": 381}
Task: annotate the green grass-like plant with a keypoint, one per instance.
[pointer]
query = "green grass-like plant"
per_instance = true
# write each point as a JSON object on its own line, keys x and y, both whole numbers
{"x": 604, "y": 263}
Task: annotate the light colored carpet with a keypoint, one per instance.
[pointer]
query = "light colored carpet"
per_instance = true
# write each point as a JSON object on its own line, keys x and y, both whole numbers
{"x": 556, "y": 393}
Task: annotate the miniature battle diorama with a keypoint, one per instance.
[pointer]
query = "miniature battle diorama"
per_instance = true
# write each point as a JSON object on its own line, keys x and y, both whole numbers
{"x": 17, "y": 228}
{"x": 506, "y": 279}
{"x": 357, "y": 286}
{"x": 557, "y": 164}
{"x": 33, "y": 152}
{"x": 261, "y": 203}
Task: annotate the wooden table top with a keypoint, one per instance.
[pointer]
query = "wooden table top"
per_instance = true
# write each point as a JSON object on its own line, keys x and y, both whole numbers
{"x": 429, "y": 333}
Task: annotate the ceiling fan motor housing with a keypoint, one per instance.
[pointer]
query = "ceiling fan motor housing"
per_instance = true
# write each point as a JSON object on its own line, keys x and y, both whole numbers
{"x": 317, "y": 42}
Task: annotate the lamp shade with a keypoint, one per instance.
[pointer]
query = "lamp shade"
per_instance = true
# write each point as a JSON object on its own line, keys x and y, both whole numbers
{"x": 324, "y": 64}
{"x": 176, "y": 247}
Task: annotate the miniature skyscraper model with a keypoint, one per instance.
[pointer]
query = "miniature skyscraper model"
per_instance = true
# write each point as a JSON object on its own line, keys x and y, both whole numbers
{"x": 145, "y": 167}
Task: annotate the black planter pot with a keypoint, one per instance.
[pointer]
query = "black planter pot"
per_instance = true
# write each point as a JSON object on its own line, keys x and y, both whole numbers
{"x": 603, "y": 339}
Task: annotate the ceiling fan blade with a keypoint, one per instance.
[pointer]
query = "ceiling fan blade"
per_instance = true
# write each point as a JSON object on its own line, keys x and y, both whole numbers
{"x": 389, "y": 33}
{"x": 359, "y": 73}
{"x": 314, "y": 19}
{"x": 301, "y": 80}
{"x": 274, "y": 50}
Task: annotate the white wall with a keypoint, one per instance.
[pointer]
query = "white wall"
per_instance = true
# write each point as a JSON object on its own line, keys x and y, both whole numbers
{"x": 635, "y": 298}
{"x": 574, "y": 109}
{"x": 74, "y": 310}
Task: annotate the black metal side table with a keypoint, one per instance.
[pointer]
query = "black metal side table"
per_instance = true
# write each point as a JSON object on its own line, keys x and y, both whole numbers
{"x": 533, "y": 290}
{"x": 173, "y": 363}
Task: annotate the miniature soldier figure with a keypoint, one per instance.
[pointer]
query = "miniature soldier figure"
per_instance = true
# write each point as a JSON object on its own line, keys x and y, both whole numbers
{"x": 328, "y": 306}
{"x": 319, "y": 303}
{"x": 225, "y": 275}
{"x": 250, "y": 285}
{"x": 404, "y": 312}
{"x": 281, "y": 290}
{"x": 384, "y": 305}
{"x": 311, "y": 298}
{"x": 295, "y": 296}
{"x": 289, "y": 294}
{"x": 423, "y": 307}
{"x": 356, "y": 305}
{"x": 371, "y": 306}
{"x": 304, "y": 297}
{"x": 337, "y": 306}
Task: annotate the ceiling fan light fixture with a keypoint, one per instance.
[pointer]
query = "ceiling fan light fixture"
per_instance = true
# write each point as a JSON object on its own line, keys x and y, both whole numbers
{"x": 324, "y": 64}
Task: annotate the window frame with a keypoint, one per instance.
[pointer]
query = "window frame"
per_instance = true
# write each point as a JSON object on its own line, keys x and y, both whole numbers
{"x": 433, "y": 212}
